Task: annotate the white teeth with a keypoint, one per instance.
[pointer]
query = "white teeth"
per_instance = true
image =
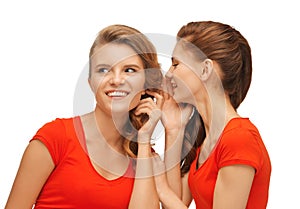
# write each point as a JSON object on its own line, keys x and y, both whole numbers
{"x": 174, "y": 85}
{"x": 117, "y": 94}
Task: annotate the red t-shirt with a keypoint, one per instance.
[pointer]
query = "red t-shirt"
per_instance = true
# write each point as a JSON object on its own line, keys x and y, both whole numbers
{"x": 75, "y": 183}
{"x": 240, "y": 143}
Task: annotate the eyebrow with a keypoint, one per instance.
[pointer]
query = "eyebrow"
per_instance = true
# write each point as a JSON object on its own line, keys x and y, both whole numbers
{"x": 102, "y": 65}
{"x": 125, "y": 66}
{"x": 134, "y": 66}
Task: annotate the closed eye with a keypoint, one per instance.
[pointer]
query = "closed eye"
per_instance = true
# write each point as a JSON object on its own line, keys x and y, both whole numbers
{"x": 174, "y": 62}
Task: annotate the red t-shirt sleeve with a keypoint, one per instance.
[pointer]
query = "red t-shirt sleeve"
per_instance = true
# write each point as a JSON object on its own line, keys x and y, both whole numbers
{"x": 52, "y": 135}
{"x": 239, "y": 146}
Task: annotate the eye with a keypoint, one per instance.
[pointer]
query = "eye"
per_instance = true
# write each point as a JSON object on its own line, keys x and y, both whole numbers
{"x": 175, "y": 63}
{"x": 103, "y": 70}
{"x": 130, "y": 70}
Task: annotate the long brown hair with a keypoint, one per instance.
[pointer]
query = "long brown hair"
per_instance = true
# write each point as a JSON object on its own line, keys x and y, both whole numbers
{"x": 226, "y": 46}
{"x": 122, "y": 34}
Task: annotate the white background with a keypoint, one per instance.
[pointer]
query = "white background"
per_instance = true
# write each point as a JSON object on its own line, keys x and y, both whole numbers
{"x": 44, "y": 47}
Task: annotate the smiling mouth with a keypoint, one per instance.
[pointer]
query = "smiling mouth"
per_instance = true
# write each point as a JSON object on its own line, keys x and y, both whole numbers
{"x": 117, "y": 93}
{"x": 174, "y": 85}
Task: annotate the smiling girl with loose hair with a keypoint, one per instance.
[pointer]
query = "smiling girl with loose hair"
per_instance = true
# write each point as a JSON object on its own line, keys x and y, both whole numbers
{"x": 100, "y": 159}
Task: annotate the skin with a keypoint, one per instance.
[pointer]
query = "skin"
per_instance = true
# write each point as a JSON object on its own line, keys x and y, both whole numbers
{"x": 35, "y": 167}
{"x": 115, "y": 68}
{"x": 109, "y": 73}
{"x": 198, "y": 83}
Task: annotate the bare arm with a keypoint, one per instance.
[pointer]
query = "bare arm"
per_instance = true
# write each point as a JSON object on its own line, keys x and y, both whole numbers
{"x": 144, "y": 193}
{"x": 172, "y": 160}
{"x": 167, "y": 196}
{"x": 233, "y": 187}
{"x": 175, "y": 119}
{"x": 35, "y": 167}
{"x": 186, "y": 193}
{"x": 170, "y": 200}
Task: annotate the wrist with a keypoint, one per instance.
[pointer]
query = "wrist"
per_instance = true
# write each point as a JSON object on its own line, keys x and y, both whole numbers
{"x": 175, "y": 131}
{"x": 144, "y": 151}
{"x": 143, "y": 139}
{"x": 173, "y": 136}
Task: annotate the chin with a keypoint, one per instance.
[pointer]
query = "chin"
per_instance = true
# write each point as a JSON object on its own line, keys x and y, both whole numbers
{"x": 183, "y": 99}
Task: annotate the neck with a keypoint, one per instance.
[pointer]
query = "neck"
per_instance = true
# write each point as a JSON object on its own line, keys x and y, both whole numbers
{"x": 110, "y": 127}
{"x": 104, "y": 144}
{"x": 216, "y": 112}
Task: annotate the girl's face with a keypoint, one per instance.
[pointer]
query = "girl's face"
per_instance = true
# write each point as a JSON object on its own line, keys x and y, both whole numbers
{"x": 117, "y": 78}
{"x": 184, "y": 76}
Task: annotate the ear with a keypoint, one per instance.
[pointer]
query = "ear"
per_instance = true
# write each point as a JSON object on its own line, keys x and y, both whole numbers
{"x": 207, "y": 69}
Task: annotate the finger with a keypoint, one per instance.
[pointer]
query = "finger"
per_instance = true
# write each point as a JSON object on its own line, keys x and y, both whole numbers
{"x": 144, "y": 108}
{"x": 154, "y": 113}
{"x": 146, "y": 103}
{"x": 159, "y": 99}
{"x": 147, "y": 100}
{"x": 147, "y": 129}
{"x": 166, "y": 95}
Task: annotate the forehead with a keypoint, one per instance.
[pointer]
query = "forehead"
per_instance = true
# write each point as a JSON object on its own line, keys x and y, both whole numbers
{"x": 185, "y": 56}
{"x": 113, "y": 53}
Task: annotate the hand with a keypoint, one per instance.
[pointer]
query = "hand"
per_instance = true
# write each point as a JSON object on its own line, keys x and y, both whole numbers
{"x": 174, "y": 116}
{"x": 151, "y": 107}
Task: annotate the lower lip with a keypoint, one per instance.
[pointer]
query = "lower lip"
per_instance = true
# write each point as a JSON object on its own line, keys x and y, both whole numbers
{"x": 116, "y": 98}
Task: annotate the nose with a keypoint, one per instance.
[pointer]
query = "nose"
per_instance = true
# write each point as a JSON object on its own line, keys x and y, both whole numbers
{"x": 169, "y": 74}
{"x": 117, "y": 78}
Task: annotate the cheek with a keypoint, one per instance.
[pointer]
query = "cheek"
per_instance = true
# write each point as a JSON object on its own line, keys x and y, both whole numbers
{"x": 137, "y": 84}
{"x": 188, "y": 85}
{"x": 135, "y": 101}
{"x": 189, "y": 79}
{"x": 95, "y": 84}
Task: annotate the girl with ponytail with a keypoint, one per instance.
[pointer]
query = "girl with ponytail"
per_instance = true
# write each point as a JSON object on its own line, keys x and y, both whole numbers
{"x": 228, "y": 166}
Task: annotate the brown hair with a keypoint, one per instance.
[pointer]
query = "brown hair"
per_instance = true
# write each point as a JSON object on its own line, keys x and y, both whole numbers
{"x": 194, "y": 135}
{"x": 227, "y": 47}
{"x": 122, "y": 34}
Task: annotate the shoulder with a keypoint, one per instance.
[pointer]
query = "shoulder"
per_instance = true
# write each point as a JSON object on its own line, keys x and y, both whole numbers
{"x": 57, "y": 126}
{"x": 56, "y": 136}
{"x": 240, "y": 144}
{"x": 240, "y": 131}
